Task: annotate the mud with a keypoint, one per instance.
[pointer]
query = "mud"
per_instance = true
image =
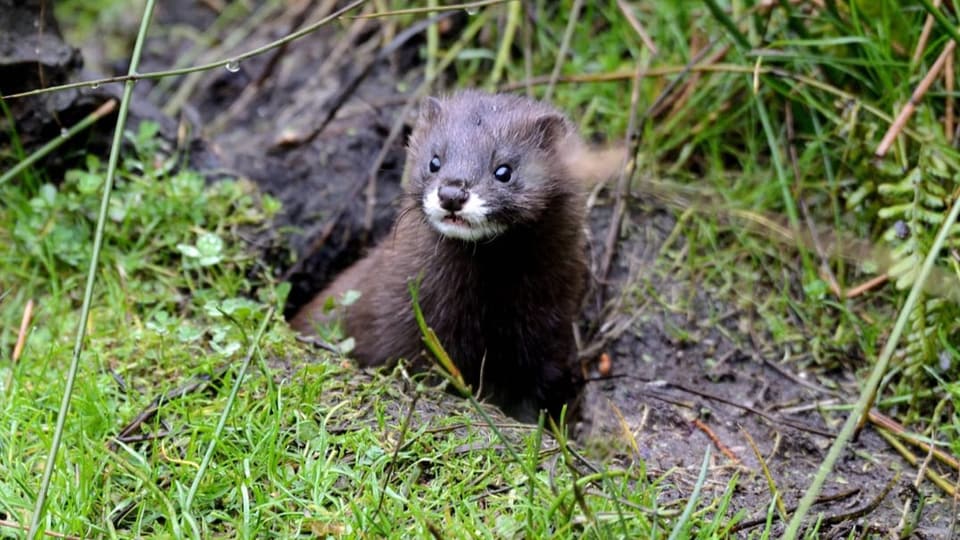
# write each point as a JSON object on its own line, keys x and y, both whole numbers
{"x": 309, "y": 123}
{"x": 689, "y": 372}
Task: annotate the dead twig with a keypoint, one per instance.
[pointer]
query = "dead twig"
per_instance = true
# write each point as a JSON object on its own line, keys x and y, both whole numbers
{"x": 130, "y": 432}
{"x": 924, "y": 34}
{"x": 572, "y": 17}
{"x": 24, "y": 330}
{"x": 666, "y": 97}
{"x": 882, "y": 421}
{"x": 865, "y": 509}
{"x": 622, "y": 193}
{"x": 763, "y": 414}
{"x": 749, "y": 524}
{"x": 628, "y": 14}
{"x": 835, "y": 518}
{"x": 949, "y": 82}
{"x": 868, "y": 285}
{"x": 348, "y": 89}
{"x": 673, "y": 99}
{"x": 898, "y": 124}
{"x": 716, "y": 440}
{"x": 14, "y": 525}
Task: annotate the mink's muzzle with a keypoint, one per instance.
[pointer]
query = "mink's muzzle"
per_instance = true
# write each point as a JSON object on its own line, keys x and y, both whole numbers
{"x": 452, "y": 197}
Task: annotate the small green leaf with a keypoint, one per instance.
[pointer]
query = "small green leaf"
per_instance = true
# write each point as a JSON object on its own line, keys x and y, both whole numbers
{"x": 188, "y": 251}
{"x": 88, "y": 183}
{"x": 227, "y": 349}
{"x": 210, "y": 248}
{"x": 187, "y": 333}
{"x": 349, "y": 297}
{"x": 816, "y": 289}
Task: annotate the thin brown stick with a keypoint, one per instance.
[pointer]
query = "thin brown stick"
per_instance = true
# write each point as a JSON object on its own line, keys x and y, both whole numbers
{"x": 623, "y": 184}
{"x": 749, "y": 524}
{"x": 949, "y": 84}
{"x": 215, "y": 5}
{"x": 663, "y": 71}
{"x": 776, "y": 419}
{"x": 15, "y": 525}
{"x": 24, "y": 330}
{"x": 864, "y": 510}
{"x": 669, "y": 97}
{"x": 417, "y": 10}
{"x": 783, "y": 371}
{"x": 956, "y": 504}
{"x": 912, "y": 459}
{"x": 887, "y": 423}
{"x": 194, "y": 385}
{"x": 917, "y": 482}
{"x": 924, "y": 35}
{"x": 572, "y": 17}
{"x": 526, "y": 34}
{"x": 868, "y": 285}
{"x": 716, "y": 440}
{"x": 918, "y": 93}
{"x": 692, "y": 84}
{"x": 637, "y": 26}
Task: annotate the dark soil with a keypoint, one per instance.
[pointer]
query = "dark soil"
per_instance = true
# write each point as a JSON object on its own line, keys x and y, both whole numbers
{"x": 310, "y": 122}
{"x": 705, "y": 375}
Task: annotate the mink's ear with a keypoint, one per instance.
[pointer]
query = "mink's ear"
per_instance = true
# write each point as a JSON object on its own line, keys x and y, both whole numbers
{"x": 549, "y": 130}
{"x": 430, "y": 109}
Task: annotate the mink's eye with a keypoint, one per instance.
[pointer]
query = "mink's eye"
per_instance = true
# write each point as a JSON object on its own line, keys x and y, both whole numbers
{"x": 435, "y": 164}
{"x": 502, "y": 173}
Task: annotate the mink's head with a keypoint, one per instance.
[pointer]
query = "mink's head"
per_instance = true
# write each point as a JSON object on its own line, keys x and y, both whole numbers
{"x": 481, "y": 164}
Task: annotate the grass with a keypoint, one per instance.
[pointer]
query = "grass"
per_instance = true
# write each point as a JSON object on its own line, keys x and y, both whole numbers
{"x": 783, "y": 125}
{"x": 306, "y": 450}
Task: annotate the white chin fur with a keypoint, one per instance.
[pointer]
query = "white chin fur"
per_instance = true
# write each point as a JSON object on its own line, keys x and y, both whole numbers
{"x": 475, "y": 225}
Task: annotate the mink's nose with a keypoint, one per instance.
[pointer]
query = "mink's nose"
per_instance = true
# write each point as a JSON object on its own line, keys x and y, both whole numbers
{"x": 452, "y": 198}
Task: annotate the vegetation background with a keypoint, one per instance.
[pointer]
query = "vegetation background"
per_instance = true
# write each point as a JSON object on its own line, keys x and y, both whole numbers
{"x": 773, "y": 133}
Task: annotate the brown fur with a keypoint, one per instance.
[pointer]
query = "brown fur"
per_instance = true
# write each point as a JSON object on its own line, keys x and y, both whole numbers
{"x": 505, "y": 304}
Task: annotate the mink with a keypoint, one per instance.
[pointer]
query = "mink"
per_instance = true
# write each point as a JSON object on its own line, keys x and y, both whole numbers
{"x": 492, "y": 232}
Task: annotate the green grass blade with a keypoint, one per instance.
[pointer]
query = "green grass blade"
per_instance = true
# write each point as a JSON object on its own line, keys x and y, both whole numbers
{"x": 728, "y": 23}
{"x": 574, "y": 16}
{"x": 870, "y": 388}
{"x": 226, "y": 413}
{"x": 791, "y": 205}
{"x": 677, "y": 531}
{"x": 91, "y": 275}
{"x": 942, "y": 20}
{"x": 503, "y": 54}
{"x": 55, "y": 143}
